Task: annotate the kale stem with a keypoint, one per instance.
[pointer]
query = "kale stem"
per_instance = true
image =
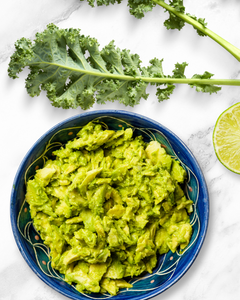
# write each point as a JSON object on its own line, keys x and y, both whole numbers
{"x": 231, "y": 82}
{"x": 225, "y": 44}
{"x": 160, "y": 80}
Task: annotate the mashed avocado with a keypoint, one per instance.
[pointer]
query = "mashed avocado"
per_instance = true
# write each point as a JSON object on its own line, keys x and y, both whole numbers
{"x": 107, "y": 206}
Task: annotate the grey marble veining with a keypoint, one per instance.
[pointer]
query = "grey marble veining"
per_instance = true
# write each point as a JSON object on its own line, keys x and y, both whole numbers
{"x": 34, "y": 17}
{"x": 201, "y": 144}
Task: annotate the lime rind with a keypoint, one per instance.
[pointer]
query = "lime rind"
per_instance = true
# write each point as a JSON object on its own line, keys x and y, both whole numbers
{"x": 219, "y": 129}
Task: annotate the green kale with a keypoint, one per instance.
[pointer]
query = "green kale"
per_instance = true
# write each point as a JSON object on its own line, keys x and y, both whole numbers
{"x": 177, "y": 18}
{"x": 74, "y": 72}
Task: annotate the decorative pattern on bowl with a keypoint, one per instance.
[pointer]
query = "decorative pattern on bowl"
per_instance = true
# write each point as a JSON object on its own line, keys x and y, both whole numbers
{"x": 167, "y": 263}
{"x": 170, "y": 267}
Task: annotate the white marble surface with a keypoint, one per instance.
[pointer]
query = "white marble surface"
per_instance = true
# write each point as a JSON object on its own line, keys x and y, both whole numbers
{"x": 191, "y": 115}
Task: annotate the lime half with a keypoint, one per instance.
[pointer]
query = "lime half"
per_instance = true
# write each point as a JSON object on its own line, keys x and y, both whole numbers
{"x": 226, "y": 138}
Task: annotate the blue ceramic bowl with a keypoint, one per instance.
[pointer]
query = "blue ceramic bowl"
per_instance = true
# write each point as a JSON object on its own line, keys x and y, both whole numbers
{"x": 171, "y": 266}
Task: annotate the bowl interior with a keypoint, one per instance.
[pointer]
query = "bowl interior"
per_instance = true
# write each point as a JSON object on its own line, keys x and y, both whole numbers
{"x": 171, "y": 266}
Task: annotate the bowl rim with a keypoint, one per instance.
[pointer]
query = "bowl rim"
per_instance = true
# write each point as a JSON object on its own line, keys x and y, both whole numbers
{"x": 95, "y": 114}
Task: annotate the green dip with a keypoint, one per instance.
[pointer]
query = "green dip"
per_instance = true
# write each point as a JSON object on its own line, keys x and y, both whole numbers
{"x": 107, "y": 206}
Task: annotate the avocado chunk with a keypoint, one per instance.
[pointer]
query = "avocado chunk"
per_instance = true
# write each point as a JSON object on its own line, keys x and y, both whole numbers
{"x": 107, "y": 206}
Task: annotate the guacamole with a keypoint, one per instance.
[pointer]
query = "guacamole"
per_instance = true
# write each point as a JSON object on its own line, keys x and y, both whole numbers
{"x": 107, "y": 205}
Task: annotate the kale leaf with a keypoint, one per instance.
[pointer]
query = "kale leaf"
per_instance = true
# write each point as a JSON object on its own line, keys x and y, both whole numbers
{"x": 74, "y": 72}
{"x": 177, "y": 18}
